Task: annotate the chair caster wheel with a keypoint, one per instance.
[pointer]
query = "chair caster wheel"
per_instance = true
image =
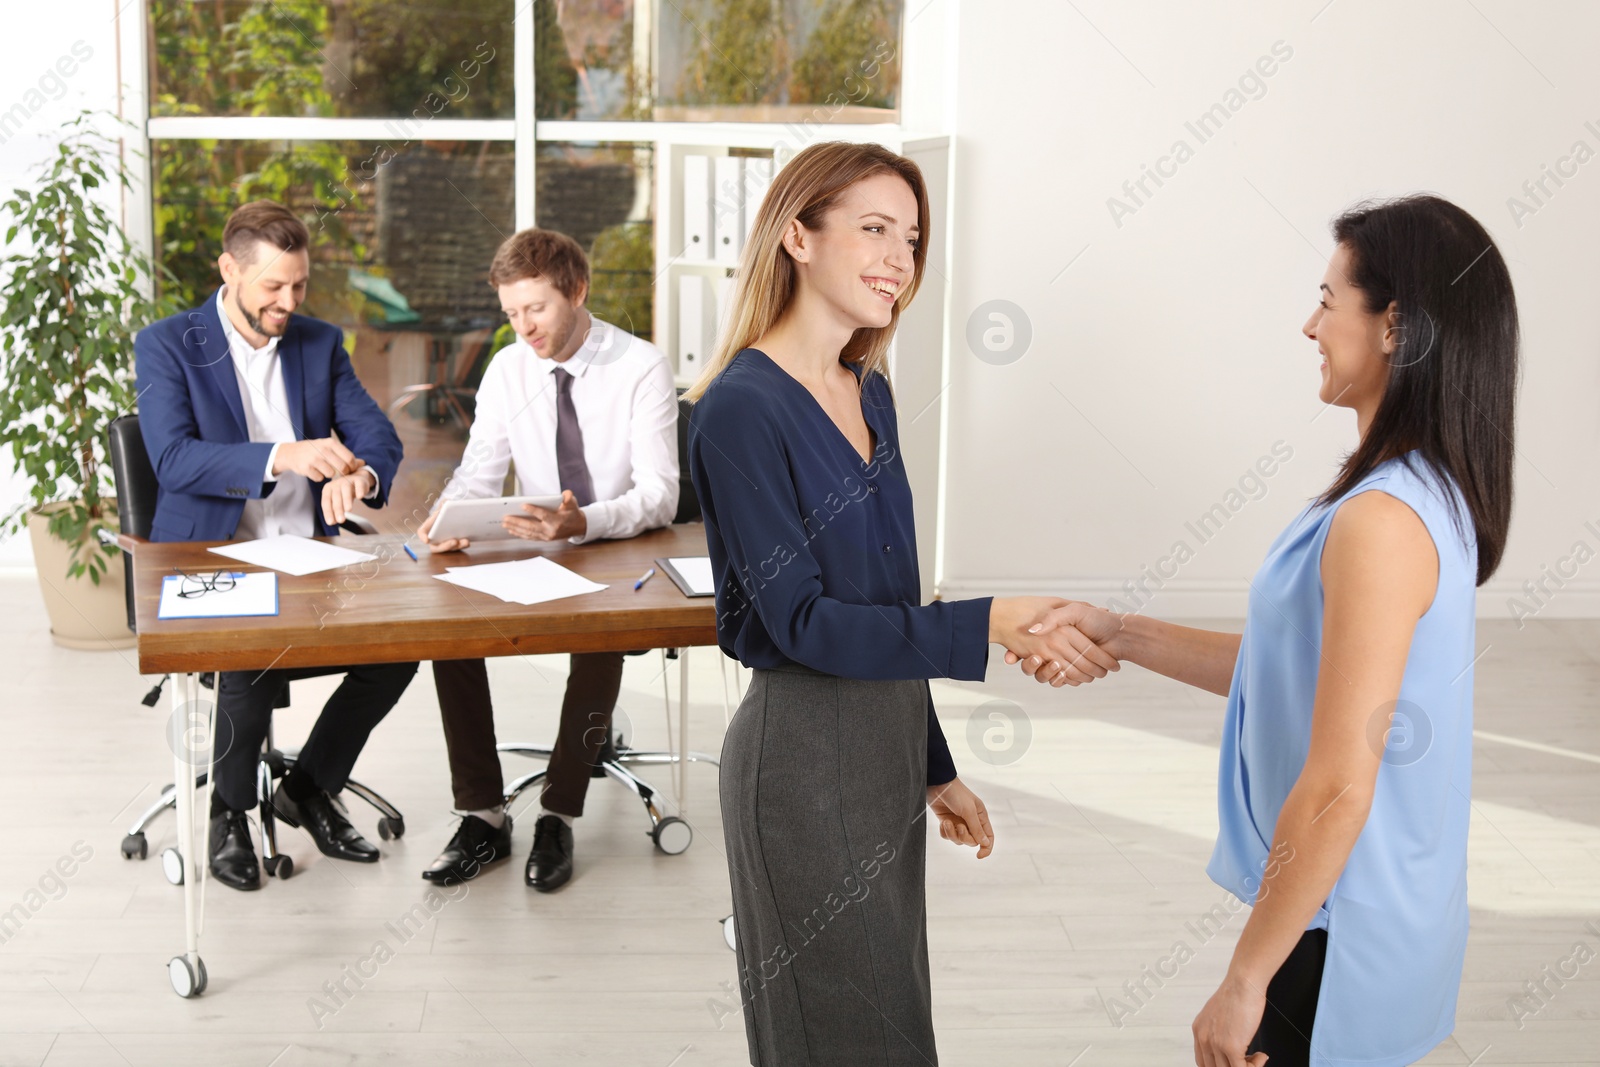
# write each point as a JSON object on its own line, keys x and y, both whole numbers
{"x": 172, "y": 865}
{"x": 187, "y": 981}
{"x": 281, "y": 867}
{"x": 391, "y": 829}
{"x": 730, "y": 935}
{"x": 672, "y": 835}
{"x": 134, "y": 846}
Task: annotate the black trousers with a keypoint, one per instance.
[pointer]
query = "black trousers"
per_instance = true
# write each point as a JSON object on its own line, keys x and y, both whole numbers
{"x": 1285, "y": 1032}
{"x": 245, "y": 700}
{"x": 593, "y": 682}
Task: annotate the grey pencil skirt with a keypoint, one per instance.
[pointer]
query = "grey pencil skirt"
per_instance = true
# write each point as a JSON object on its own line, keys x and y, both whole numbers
{"x": 824, "y": 788}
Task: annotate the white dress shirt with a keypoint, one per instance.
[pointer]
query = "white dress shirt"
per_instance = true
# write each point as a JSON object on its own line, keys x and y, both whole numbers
{"x": 627, "y": 408}
{"x": 287, "y": 510}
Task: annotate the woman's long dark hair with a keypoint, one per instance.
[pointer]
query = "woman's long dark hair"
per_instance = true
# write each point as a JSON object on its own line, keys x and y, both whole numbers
{"x": 1452, "y": 386}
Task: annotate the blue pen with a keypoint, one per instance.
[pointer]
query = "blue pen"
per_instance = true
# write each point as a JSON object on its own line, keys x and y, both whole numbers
{"x": 410, "y": 553}
{"x": 646, "y": 578}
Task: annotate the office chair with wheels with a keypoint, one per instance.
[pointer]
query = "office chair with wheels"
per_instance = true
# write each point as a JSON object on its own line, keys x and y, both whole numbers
{"x": 136, "y": 506}
{"x": 671, "y": 834}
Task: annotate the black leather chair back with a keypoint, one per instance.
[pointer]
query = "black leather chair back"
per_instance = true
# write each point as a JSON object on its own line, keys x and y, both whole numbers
{"x": 135, "y": 478}
{"x": 688, "y": 503}
{"x": 136, "y": 488}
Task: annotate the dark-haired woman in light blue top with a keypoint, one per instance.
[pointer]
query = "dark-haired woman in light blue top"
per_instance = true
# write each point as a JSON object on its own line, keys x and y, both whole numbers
{"x": 1347, "y": 750}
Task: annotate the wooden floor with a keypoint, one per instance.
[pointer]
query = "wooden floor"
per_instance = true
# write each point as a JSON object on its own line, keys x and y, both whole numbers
{"x": 1104, "y": 825}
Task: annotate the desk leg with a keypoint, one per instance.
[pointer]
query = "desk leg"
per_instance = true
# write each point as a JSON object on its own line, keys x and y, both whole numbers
{"x": 191, "y": 726}
{"x": 683, "y": 733}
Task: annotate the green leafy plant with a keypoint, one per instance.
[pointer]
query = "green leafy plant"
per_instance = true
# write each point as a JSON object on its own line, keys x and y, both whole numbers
{"x": 504, "y": 335}
{"x": 71, "y": 301}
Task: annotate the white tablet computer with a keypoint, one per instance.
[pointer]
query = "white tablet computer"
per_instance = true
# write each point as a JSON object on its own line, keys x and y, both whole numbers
{"x": 479, "y": 520}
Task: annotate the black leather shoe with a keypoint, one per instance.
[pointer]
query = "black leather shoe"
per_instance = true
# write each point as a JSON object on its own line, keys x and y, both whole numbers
{"x": 550, "y": 862}
{"x": 233, "y": 857}
{"x": 319, "y": 816}
{"x": 475, "y": 846}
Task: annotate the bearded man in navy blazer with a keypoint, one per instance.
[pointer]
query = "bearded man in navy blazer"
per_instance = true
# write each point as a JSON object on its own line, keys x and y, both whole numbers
{"x": 257, "y": 426}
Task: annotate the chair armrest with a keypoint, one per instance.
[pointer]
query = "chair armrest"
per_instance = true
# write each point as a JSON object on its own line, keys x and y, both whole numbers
{"x": 357, "y": 525}
{"x": 127, "y": 542}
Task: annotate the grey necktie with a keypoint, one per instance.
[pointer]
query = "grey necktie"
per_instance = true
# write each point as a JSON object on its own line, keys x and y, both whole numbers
{"x": 570, "y": 464}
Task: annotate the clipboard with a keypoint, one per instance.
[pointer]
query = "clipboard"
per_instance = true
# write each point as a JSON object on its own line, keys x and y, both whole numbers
{"x": 686, "y": 583}
{"x": 253, "y": 594}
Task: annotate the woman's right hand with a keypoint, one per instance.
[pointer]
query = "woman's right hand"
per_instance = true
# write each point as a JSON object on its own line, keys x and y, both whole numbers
{"x": 1061, "y": 648}
{"x": 455, "y": 544}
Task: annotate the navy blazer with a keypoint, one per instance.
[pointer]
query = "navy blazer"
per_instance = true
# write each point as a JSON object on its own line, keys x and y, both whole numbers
{"x": 194, "y": 428}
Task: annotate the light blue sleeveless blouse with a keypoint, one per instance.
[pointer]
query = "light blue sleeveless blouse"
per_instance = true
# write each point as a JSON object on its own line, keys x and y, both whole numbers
{"x": 1397, "y": 917}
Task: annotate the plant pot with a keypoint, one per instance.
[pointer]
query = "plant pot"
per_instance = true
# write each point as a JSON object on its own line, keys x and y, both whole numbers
{"x": 82, "y": 614}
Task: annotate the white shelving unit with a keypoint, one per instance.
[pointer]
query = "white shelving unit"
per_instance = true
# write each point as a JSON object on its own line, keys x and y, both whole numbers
{"x": 717, "y": 189}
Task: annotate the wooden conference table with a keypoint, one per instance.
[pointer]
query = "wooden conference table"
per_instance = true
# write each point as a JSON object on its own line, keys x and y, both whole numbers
{"x": 393, "y": 610}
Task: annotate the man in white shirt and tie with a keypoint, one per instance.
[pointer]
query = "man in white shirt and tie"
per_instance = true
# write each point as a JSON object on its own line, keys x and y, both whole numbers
{"x": 588, "y": 411}
{"x": 256, "y": 425}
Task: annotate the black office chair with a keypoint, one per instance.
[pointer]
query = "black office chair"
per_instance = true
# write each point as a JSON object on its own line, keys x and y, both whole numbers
{"x": 671, "y": 834}
{"x": 136, "y": 506}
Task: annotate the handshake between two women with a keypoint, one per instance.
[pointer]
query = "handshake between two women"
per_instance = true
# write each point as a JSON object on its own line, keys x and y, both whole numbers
{"x": 1058, "y": 642}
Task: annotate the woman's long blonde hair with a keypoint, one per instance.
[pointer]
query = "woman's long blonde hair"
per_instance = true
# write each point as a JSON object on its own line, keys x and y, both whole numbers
{"x": 806, "y": 189}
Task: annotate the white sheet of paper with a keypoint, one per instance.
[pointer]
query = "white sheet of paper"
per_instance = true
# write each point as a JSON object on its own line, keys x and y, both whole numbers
{"x": 696, "y": 570}
{"x": 293, "y": 555}
{"x": 522, "y": 581}
{"x": 255, "y": 593}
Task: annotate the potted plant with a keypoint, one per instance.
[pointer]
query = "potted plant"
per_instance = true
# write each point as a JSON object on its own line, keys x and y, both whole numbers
{"x": 71, "y": 298}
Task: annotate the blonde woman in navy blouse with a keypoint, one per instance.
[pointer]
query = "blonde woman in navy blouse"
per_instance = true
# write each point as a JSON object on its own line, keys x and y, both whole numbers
{"x": 835, "y": 755}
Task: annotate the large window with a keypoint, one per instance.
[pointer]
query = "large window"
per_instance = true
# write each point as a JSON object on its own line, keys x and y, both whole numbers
{"x": 721, "y": 60}
{"x": 331, "y": 58}
{"x": 694, "y": 60}
{"x": 414, "y": 135}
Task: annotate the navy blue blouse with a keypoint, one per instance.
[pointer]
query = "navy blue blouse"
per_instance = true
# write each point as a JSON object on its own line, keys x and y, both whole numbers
{"x": 814, "y": 550}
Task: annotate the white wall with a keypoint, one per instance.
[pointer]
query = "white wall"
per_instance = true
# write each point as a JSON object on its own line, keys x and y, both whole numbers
{"x": 35, "y": 97}
{"x": 1174, "y": 337}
